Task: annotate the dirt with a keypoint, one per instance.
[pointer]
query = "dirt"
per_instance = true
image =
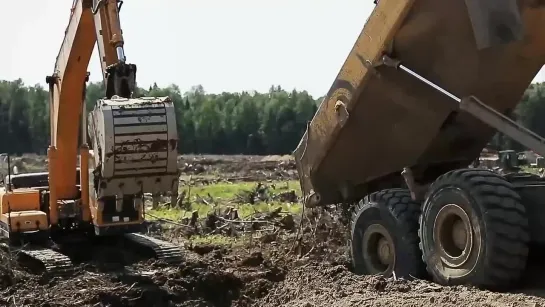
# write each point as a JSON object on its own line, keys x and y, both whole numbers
{"x": 239, "y": 168}
{"x": 302, "y": 266}
{"x": 194, "y": 283}
{"x": 207, "y": 282}
{"x": 312, "y": 271}
{"x": 335, "y": 285}
{"x": 230, "y": 168}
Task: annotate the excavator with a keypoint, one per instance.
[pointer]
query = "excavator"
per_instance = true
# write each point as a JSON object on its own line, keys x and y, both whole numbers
{"x": 125, "y": 147}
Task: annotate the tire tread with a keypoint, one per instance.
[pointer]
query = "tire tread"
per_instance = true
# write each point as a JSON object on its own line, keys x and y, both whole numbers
{"x": 406, "y": 213}
{"x": 506, "y": 224}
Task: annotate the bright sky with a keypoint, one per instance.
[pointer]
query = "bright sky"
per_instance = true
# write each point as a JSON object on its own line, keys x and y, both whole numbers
{"x": 225, "y": 45}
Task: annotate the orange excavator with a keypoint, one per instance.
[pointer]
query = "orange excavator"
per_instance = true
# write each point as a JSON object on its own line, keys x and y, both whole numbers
{"x": 133, "y": 151}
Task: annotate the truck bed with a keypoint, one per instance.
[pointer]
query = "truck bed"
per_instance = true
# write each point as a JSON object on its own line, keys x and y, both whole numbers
{"x": 391, "y": 120}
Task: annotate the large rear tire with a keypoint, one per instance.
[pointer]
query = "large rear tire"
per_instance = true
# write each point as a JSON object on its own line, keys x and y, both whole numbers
{"x": 384, "y": 235}
{"x": 474, "y": 230}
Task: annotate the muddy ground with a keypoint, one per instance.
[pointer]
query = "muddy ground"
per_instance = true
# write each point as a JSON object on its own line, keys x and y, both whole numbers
{"x": 314, "y": 271}
{"x": 273, "y": 268}
{"x": 211, "y": 167}
{"x": 239, "y": 168}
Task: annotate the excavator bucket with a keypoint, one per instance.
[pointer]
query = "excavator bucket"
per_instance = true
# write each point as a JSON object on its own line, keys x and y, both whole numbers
{"x": 135, "y": 146}
{"x": 495, "y": 22}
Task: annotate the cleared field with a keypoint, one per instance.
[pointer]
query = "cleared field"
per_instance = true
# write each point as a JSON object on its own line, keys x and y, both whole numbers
{"x": 248, "y": 242}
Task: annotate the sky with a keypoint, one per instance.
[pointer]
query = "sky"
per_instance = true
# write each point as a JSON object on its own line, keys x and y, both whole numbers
{"x": 231, "y": 45}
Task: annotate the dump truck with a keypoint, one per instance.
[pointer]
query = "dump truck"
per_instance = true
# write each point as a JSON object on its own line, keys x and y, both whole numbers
{"x": 425, "y": 87}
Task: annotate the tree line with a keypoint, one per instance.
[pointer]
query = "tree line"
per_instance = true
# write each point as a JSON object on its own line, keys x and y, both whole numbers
{"x": 530, "y": 112}
{"x": 226, "y": 123}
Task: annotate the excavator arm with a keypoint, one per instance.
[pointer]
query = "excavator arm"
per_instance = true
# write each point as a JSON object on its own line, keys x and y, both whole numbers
{"x": 120, "y": 77}
{"x": 107, "y": 25}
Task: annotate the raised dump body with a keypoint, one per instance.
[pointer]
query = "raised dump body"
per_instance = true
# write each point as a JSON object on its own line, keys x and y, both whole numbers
{"x": 376, "y": 120}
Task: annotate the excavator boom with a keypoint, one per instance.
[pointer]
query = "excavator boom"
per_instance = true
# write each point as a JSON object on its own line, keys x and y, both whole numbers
{"x": 90, "y": 22}
{"x": 66, "y": 90}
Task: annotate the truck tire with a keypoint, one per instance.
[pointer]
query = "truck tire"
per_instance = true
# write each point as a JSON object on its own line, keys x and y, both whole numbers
{"x": 384, "y": 235}
{"x": 493, "y": 254}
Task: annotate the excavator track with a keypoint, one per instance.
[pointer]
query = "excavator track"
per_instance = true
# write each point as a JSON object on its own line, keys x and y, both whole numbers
{"x": 164, "y": 251}
{"x": 55, "y": 263}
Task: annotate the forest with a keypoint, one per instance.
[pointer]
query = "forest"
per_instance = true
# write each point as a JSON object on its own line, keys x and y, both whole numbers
{"x": 227, "y": 123}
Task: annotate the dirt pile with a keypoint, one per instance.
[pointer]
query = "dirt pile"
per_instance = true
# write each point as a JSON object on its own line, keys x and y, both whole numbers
{"x": 303, "y": 268}
{"x": 327, "y": 284}
{"x": 239, "y": 168}
{"x": 290, "y": 260}
{"x": 210, "y": 167}
{"x": 197, "y": 282}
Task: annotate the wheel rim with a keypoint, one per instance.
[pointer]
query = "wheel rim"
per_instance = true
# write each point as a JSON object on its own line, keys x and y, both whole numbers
{"x": 378, "y": 250}
{"x": 455, "y": 239}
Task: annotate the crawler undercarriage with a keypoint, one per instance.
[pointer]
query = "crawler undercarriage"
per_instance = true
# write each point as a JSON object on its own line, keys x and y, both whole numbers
{"x": 51, "y": 250}
{"x": 57, "y": 258}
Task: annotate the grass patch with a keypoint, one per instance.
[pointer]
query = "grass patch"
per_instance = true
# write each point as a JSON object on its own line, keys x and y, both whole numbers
{"x": 222, "y": 195}
{"x": 226, "y": 191}
{"x": 216, "y": 240}
{"x": 531, "y": 170}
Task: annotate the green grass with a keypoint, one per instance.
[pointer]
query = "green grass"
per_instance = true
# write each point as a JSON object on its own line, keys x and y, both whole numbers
{"x": 217, "y": 240}
{"x": 531, "y": 170}
{"x": 222, "y": 195}
{"x": 226, "y": 190}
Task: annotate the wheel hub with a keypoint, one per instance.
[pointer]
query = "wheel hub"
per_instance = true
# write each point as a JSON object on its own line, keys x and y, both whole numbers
{"x": 459, "y": 234}
{"x": 384, "y": 251}
{"x": 378, "y": 250}
{"x": 453, "y": 235}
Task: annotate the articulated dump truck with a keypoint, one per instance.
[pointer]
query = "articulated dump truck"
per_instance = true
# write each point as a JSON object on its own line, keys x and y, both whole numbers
{"x": 425, "y": 87}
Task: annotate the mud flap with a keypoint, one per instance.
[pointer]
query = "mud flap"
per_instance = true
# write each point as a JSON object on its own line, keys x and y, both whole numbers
{"x": 495, "y": 22}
